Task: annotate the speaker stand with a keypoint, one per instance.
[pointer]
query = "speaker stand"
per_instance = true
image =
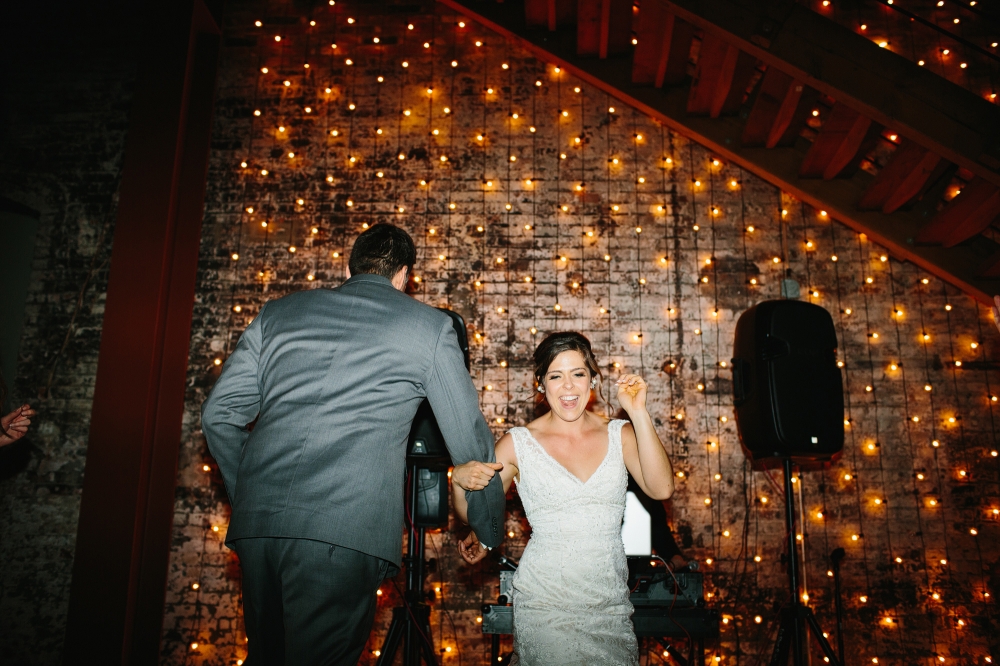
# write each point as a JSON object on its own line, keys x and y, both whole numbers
{"x": 796, "y": 619}
{"x": 411, "y": 622}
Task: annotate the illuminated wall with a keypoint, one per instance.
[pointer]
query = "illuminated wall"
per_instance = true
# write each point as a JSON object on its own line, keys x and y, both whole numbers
{"x": 539, "y": 203}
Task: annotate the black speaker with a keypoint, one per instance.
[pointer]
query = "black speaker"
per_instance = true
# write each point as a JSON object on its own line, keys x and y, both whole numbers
{"x": 426, "y": 451}
{"x": 787, "y": 388}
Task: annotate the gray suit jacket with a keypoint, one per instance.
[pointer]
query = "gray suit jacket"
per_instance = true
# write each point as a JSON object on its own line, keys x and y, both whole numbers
{"x": 334, "y": 378}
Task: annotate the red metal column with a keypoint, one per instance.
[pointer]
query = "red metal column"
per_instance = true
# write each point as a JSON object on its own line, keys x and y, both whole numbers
{"x": 126, "y": 514}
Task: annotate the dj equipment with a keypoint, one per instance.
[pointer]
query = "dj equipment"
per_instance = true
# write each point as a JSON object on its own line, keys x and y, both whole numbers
{"x": 427, "y": 507}
{"x": 667, "y": 605}
{"x": 787, "y": 388}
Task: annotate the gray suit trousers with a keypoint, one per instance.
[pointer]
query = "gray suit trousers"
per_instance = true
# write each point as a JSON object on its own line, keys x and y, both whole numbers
{"x": 305, "y": 602}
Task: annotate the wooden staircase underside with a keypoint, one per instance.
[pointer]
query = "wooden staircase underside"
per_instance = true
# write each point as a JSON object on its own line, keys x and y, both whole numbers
{"x": 941, "y": 128}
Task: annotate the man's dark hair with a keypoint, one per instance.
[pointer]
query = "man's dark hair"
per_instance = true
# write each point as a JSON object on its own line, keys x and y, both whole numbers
{"x": 383, "y": 250}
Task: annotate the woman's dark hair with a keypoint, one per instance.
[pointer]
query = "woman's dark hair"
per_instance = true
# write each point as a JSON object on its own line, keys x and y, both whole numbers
{"x": 557, "y": 343}
{"x": 383, "y": 250}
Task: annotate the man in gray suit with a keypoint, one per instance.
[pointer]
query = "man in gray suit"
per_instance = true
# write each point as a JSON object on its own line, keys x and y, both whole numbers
{"x": 333, "y": 379}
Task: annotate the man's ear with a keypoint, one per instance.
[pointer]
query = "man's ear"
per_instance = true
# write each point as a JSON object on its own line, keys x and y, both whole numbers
{"x": 399, "y": 279}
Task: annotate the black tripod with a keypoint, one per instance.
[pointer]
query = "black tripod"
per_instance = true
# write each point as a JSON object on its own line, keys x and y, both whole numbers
{"x": 796, "y": 618}
{"x": 411, "y": 622}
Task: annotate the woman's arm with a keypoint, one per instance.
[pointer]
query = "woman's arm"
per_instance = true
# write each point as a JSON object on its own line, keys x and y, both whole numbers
{"x": 644, "y": 455}
{"x": 473, "y": 476}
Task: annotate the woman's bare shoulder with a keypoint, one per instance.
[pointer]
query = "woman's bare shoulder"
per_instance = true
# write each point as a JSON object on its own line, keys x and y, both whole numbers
{"x": 505, "y": 451}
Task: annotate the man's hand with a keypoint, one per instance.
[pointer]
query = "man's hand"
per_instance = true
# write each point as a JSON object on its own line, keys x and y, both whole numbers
{"x": 470, "y": 549}
{"x": 14, "y": 426}
{"x": 474, "y": 475}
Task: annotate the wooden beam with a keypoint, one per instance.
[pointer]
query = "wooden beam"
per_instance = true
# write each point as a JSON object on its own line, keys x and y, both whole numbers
{"x": 778, "y": 166}
{"x": 672, "y": 68}
{"x": 118, "y": 590}
{"x": 536, "y": 13}
{"x": 729, "y": 96}
{"x": 716, "y": 62}
{"x": 773, "y": 107}
{"x": 549, "y": 14}
{"x": 901, "y": 179}
{"x": 786, "y": 135}
{"x": 837, "y": 143}
{"x": 720, "y": 78}
{"x": 605, "y": 28}
{"x": 968, "y": 214}
{"x": 893, "y": 91}
{"x": 588, "y": 27}
{"x": 654, "y": 27}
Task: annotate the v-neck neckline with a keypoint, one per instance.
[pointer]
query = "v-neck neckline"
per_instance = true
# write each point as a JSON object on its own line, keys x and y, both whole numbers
{"x": 548, "y": 455}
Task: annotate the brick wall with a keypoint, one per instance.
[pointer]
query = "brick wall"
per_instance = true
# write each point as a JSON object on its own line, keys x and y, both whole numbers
{"x": 64, "y": 105}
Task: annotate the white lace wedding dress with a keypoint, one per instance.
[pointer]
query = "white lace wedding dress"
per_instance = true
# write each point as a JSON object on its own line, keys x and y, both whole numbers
{"x": 570, "y": 597}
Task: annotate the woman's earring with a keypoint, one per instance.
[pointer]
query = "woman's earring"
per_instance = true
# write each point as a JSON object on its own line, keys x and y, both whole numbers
{"x": 541, "y": 389}
{"x": 593, "y": 383}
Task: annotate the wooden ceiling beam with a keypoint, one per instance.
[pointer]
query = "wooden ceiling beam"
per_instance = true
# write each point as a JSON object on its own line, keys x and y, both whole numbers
{"x": 654, "y": 28}
{"x": 549, "y": 14}
{"x": 901, "y": 179}
{"x": 720, "y": 79}
{"x": 603, "y": 27}
{"x": 968, "y": 214}
{"x": 772, "y": 108}
{"x": 672, "y": 68}
{"x": 729, "y": 97}
{"x": 891, "y": 90}
{"x": 837, "y": 145}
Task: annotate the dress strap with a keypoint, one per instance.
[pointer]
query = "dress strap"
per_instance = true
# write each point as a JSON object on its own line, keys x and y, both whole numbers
{"x": 520, "y": 436}
{"x": 615, "y": 432}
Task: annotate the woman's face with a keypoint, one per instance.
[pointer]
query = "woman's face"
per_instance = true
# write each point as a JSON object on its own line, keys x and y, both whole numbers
{"x": 567, "y": 385}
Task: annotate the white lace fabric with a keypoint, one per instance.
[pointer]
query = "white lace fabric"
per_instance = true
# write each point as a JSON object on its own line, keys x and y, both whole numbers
{"x": 570, "y": 591}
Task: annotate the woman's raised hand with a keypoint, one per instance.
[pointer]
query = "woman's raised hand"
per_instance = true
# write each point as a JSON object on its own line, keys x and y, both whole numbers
{"x": 631, "y": 393}
{"x": 474, "y": 475}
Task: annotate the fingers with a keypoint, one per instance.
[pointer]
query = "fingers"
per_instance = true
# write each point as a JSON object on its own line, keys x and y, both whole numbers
{"x": 472, "y": 557}
{"x": 470, "y": 549}
{"x": 474, "y": 475}
{"x": 630, "y": 384}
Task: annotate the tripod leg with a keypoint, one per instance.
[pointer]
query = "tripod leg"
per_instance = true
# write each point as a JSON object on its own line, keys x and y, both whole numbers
{"x": 823, "y": 643}
{"x": 495, "y": 649}
{"x": 392, "y": 638}
{"x": 779, "y": 656}
{"x": 426, "y": 647}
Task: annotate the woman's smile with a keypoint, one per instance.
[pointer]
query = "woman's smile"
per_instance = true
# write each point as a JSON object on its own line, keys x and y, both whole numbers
{"x": 569, "y": 402}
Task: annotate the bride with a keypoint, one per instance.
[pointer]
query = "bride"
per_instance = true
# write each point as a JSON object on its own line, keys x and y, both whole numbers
{"x": 569, "y": 593}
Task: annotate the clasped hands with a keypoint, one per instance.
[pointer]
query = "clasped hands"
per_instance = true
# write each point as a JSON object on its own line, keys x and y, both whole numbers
{"x": 473, "y": 475}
